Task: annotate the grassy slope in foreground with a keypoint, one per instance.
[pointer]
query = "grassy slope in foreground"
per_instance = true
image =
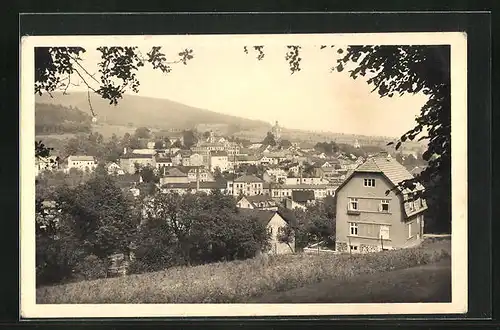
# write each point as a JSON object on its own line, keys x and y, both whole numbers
{"x": 425, "y": 283}
{"x": 239, "y": 281}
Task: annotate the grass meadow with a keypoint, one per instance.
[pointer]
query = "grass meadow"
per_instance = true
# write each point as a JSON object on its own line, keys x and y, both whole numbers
{"x": 242, "y": 281}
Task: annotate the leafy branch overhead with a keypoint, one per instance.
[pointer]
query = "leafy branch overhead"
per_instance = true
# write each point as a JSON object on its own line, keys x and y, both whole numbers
{"x": 117, "y": 72}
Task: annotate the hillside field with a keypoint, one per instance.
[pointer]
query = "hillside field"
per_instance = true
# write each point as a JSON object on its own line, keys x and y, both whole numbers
{"x": 245, "y": 281}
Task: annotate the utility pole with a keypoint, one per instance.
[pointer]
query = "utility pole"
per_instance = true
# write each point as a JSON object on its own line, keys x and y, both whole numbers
{"x": 197, "y": 178}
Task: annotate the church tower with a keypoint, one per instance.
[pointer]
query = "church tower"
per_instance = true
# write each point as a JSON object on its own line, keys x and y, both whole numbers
{"x": 276, "y": 130}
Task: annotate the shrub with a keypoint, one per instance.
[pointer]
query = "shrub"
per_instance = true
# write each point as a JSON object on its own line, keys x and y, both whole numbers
{"x": 91, "y": 268}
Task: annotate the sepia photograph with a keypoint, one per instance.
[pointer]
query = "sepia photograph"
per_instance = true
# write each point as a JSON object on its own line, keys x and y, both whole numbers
{"x": 243, "y": 175}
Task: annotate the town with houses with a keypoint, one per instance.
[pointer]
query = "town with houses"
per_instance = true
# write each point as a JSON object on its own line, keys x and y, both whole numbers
{"x": 291, "y": 177}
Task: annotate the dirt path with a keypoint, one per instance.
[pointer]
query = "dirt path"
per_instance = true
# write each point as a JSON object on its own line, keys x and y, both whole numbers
{"x": 427, "y": 283}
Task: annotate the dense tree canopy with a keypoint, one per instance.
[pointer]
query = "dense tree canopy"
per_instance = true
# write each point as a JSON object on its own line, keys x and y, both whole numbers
{"x": 269, "y": 140}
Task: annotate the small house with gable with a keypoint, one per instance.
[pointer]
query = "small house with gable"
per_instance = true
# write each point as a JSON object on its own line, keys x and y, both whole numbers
{"x": 367, "y": 218}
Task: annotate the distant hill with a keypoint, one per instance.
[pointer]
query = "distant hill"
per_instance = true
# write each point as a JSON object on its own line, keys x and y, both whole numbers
{"x": 137, "y": 111}
{"x": 58, "y": 119}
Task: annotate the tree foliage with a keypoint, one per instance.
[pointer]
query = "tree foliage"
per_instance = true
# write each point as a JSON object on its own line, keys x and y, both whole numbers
{"x": 143, "y": 133}
{"x": 329, "y": 148}
{"x": 269, "y": 140}
{"x": 99, "y": 215}
{"x": 190, "y": 138}
{"x": 313, "y": 225}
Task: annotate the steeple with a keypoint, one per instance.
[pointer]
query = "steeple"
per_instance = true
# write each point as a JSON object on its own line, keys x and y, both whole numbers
{"x": 276, "y": 130}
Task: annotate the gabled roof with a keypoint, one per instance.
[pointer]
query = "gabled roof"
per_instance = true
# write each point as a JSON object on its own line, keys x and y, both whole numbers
{"x": 259, "y": 198}
{"x": 136, "y": 156}
{"x": 174, "y": 172}
{"x": 391, "y": 169}
{"x": 248, "y": 178}
{"x": 163, "y": 160}
{"x": 243, "y": 158}
{"x": 264, "y": 216}
{"x": 302, "y": 196}
{"x": 218, "y": 153}
{"x": 82, "y": 158}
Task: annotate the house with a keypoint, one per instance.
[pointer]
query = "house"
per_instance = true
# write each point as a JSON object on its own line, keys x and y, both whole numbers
{"x": 150, "y": 144}
{"x": 193, "y": 187}
{"x": 195, "y": 159}
{"x": 84, "y": 163}
{"x": 173, "y": 175}
{"x": 285, "y": 191}
{"x": 150, "y": 152}
{"x": 129, "y": 161}
{"x": 244, "y": 160}
{"x": 260, "y": 202}
{"x": 114, "y": 169}
{"x": 195, "y": 173}
{"x": 219, "y": 159}
{"x": 292, "y": 205}
{"x": 367, "y": 218}
{"x": 291, "y": 167}
{"x": 163, "y": 162}
{"x": 265, "y": 160}
{"x": 312, "y": 181}
{"x": 177, "y": 158}
{"x": 248, "y": 185}
{"x": 274, "y": 175}
{"x": 276, "y": 223}
{"x": 255, "y": 146}
{"x": 306, "y": 147}
{"x": 303, "y": 197}
{"x": 46, "y": 163}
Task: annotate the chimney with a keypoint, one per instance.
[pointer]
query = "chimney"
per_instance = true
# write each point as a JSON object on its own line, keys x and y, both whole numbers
{"x": 125, "y": 150}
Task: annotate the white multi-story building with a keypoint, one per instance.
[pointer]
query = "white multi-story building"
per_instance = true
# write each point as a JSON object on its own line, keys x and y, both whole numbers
{"x": 84, "y": 163}
{"x": 219, "y": 159}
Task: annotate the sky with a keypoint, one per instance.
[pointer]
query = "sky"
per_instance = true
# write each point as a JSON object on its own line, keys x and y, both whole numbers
{"x": 222, "y": 78}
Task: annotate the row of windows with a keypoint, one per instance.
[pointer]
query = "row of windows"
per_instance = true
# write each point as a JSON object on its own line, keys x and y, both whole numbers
{"x": 384, "y": 231}
{"x": 354, "y": 205}
{"x": 414, "y": 205}
{"x": 249, "y": 185}
{"x": 84, "y": 163}
{"x": 369, "y": 182}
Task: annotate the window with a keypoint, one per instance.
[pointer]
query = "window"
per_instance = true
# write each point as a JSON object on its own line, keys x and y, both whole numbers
{"x": 411, "y": 205}
{"x": 409, "y": 230}
{"x": 353, "y": 247}
{"x": 353, "y": 204}
{"x": 270, "y": 230}
{"x": 384, "y": 232}
{"x": 421, "y": 202}
{"x": 353, "y": 229}
{"x": 369, "y": 182}
{"x": 384, "y": 205}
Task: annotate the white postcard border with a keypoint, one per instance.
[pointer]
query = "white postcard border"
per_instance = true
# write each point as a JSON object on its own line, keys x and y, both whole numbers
{"x": 29, "y": 308}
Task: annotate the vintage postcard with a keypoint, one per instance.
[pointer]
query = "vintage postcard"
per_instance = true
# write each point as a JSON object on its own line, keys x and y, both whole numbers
{"x": 243, "y": 175}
